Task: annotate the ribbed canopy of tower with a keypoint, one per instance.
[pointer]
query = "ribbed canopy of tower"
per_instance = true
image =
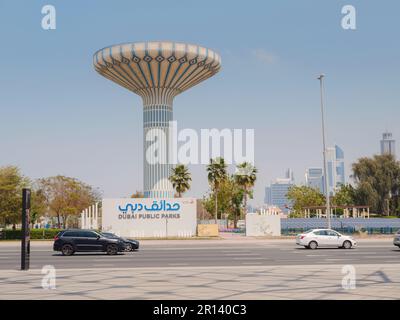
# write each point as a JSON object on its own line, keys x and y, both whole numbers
{"x": 157, "y": 71}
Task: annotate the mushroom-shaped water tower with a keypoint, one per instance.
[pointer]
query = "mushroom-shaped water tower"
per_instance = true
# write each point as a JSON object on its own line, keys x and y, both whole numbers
{"x": 157, "y": 71}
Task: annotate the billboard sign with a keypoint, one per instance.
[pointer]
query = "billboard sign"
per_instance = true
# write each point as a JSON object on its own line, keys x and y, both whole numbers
{"x": 148, "y": 217}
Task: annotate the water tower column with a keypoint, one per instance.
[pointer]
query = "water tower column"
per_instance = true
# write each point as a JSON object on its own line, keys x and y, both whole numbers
{"x": 156, "y": 165}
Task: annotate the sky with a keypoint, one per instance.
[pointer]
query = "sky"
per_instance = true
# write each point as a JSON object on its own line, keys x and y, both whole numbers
{"x": 58, "y": 116}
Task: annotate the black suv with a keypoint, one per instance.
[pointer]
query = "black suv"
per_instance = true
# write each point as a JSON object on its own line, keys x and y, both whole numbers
{"x": 130, "y": 244}
{"x": 70, "y": 241}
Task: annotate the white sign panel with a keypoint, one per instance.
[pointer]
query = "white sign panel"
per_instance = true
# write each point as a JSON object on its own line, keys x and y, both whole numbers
{"x": 262, "y": 225}
{"x": 148, "y": 217}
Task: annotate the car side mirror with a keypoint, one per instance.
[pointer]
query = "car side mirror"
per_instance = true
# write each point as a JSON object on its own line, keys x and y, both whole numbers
{"x": 98, "y": 237}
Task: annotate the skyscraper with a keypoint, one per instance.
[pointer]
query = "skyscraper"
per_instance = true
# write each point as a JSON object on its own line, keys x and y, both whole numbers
{"x": 276, "y": 193}
{"x": 315, "y": 178}
{"x": 335, "y": 169}
{"x": 267, "y": 198}
{"x": 388, "y": 144}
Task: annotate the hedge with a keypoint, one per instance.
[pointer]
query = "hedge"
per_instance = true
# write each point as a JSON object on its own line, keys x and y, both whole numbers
{"x": 42, "y": 234}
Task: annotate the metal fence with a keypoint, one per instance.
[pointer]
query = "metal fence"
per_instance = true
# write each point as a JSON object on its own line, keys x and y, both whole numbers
{"x": 295, "y": 226}
{"x": 344, "y": 225}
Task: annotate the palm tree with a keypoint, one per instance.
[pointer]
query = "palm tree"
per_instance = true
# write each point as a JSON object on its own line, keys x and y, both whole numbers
{"x": 246, "y": 177}
{"x": 216, "y": 174}
{"x": 180, "y": 179}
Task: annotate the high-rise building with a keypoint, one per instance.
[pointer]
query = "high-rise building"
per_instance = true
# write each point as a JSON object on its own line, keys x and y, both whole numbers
{"x": 276, "y": 193}
{"x": 335, "y": 169}
{"x": 315, "y": 178}
{"x": 289, "y": 174}
{"x": 388, "y": 144}
{"x": 267, "y": 198}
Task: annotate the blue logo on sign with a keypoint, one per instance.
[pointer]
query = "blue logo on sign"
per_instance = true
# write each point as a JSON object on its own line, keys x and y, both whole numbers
{"x": 156, "y": 206}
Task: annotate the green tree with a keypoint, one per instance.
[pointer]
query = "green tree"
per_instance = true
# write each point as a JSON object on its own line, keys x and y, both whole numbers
{"x": 230, "y": 199}
{"x": 345, "y": 196}
{"x": 238, "y": 195}
{"x": 11, "y": 184}
{"x": 245, "y": 178}
{"x": 38, "y": 205}
{"x": 217, "y": 173}
{"x": 378, "y": 183}
{"x": 222, "y": 198}
{"x": 180, "y": 179}
{"x": 303, "y": 196}
{"x": 66, "y": 197}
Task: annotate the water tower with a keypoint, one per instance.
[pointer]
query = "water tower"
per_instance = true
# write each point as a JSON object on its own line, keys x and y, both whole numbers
{"x": 157, "y": 71}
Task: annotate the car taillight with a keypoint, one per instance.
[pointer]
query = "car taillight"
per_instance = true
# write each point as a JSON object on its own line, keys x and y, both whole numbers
{"x": 56, "y": 238}
{"x": 302, "y": 237}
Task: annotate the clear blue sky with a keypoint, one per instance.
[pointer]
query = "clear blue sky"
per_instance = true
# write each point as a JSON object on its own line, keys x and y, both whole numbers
{"x": 58, "y": 116}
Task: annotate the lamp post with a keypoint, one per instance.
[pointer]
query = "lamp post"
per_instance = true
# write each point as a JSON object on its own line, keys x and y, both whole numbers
{"x": 328, "y": 206}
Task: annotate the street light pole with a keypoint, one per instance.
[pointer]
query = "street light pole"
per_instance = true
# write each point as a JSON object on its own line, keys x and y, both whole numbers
{"x": 328, "y": 206}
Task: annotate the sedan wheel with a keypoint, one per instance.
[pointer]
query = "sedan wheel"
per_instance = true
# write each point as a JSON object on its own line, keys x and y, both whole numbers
{"x": 128, "y": 247}
{"x": 112, "y": 249}
{"x": 313, "y": 245}
{"x": 347, "y": 244}
{"x": 67, "y": 250}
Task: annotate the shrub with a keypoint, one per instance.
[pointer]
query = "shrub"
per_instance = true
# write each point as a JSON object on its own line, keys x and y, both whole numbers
{"x": 41, "y": 234}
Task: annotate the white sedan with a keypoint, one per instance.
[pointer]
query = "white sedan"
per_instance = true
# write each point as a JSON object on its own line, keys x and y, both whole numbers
{"x": 312, "y": 239}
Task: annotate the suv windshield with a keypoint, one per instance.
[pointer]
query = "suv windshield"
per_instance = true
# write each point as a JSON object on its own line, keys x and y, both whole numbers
{"x": 109, "y": 235}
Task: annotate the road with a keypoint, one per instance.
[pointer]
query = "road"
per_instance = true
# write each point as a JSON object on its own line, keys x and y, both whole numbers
{"x": 206, "y": 269}
{"x": 205, "y": 253}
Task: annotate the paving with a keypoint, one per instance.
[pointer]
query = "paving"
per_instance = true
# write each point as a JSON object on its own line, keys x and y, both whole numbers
{"x": 212, "y": 269}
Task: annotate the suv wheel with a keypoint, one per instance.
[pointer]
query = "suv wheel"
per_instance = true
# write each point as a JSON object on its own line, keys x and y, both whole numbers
{"x": 347, "y": 244}
{"x": 112, "y": 249}
{"x": 67, "y": 250}
{"x": 313, "y": 245}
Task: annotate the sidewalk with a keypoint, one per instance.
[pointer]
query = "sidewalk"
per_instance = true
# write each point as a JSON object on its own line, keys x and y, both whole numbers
{"x": 244, "y": 282}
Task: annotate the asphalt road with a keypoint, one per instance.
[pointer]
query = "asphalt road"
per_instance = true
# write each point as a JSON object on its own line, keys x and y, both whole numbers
{"x": 200, "y": 253}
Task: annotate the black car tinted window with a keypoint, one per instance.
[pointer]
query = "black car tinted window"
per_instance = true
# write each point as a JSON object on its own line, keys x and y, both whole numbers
{"x": 68, "y": 234}
{"x": 108, "y": 235}
{"x": 89, "y": 234}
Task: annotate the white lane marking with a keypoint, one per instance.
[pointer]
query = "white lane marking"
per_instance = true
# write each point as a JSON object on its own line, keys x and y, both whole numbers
{"x": 379, "y": 257}
{"x": 316, "y": 255}
{"x": 250, "y": 258}
{"x": 241, "y": 254}
{"x": 368, "y": 252}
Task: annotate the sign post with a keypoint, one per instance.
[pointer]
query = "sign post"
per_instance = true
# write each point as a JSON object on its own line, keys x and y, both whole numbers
{"x": 25, "y": 237}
